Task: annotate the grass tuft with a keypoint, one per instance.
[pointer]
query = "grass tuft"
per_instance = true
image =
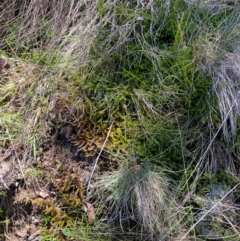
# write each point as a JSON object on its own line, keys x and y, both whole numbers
{"x": 138, "y": 197}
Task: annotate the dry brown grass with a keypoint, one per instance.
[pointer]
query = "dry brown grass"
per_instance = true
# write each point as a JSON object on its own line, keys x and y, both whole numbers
{"x": 66, "y": 28}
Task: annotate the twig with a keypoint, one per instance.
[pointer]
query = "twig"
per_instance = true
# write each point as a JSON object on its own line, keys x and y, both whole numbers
{"x": 4, "y": 184}
{"x": 16, "y": 155}
{"x": 99, "y": 154}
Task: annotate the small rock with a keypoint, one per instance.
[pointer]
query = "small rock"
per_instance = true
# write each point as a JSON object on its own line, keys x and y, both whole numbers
{"x": 42, "y": 194}
{"x": 37, "y": 239}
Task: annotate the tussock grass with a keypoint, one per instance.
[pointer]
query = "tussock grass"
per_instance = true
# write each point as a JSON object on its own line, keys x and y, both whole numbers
{"x": 219, "y": 61}
{"x": 136, "y": 195}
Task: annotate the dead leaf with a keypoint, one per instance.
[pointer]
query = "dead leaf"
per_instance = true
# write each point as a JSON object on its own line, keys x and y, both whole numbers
{"x": 6, "y": 66}
{"x": 12, "y": 237}
{"x": 90, "y": 212}
{"x": 21, "y": 233}
{"x": 6, "y": 155}
{"x": 3, "y": 65}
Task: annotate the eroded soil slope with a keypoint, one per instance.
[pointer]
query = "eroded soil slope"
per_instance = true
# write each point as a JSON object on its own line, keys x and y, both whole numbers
{"x": 36, "y": 194}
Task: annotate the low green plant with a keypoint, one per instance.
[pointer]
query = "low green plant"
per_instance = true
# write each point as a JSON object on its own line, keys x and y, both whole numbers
{"x": 33, "y": 174}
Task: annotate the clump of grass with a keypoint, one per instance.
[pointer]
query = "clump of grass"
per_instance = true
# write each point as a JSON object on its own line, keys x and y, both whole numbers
{"x": 220, "y": 61}
{"x": 137, "y": 195}
{"x": 226, "y": 87}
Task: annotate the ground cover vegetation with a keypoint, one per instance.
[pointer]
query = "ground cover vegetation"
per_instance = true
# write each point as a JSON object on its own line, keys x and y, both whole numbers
{"x": 119, "y": 120}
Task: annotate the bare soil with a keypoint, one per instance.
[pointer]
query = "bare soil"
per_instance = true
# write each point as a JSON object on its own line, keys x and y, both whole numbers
{"x": 29, "y": 186}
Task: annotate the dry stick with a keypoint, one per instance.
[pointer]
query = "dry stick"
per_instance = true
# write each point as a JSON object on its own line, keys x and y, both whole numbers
{"x": 16, "y": 155}
{"x": 99, "y": 154}
{"x": 231, "y": 224}
{"x": 203, "y": 216}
